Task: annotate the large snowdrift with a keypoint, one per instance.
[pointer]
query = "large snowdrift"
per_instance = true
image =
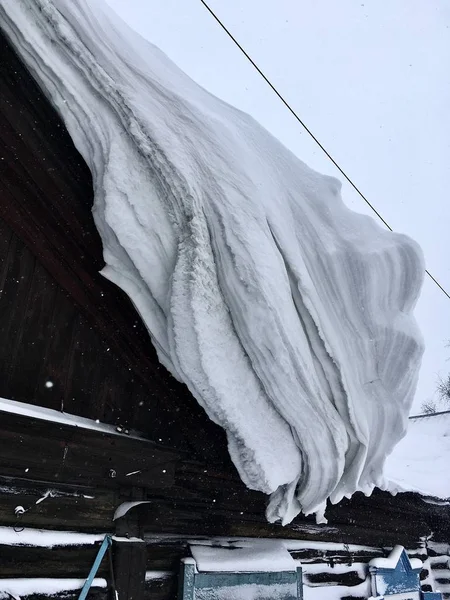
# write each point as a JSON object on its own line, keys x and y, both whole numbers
{"x": 287, "y": 315}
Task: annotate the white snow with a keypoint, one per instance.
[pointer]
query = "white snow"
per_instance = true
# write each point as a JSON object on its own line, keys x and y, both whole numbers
{"x": 45, "y": 538}
{"x": 287, "y": 315}
{"x": 289, "y": 544}
{"x": 150, "y": 575}
{"x": 392, "y": 560}
{"x": 314, "y": 568}
{"x": 325, "y": 546}
{"x": 248, "y": 557}
{"x": 336, "y": 592}
{"x": 123, "y": 508}
{"x": 420, "y": 462}
{"x": 48, "y": 414}
{"x": 41, "y": 585}
{"x": 440, "y": 547}
{"x": 249, "y": 591}
{"x": 404, "y": 596}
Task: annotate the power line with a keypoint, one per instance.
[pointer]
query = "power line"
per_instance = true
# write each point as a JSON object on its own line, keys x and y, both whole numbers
{"x": 310, "y": 133}
{"x": 437, "y": 283}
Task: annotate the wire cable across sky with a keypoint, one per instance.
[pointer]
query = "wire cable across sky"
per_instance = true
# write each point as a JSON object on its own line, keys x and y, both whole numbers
{"x": 310, "y": 133}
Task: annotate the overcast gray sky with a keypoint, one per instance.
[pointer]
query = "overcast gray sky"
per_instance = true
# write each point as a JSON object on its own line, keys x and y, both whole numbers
{"x": 371, "y": 80}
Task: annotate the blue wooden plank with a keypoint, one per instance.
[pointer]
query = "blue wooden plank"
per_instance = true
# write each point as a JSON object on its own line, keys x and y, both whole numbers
{"x": 187, "y": 580}
{"x": 93, "y": 572}
{"x": 215, "y": 579}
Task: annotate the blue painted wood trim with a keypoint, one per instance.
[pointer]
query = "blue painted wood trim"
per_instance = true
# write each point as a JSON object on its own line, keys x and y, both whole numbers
{"x": 215, "y": 579}
{"x": 93, "y": 572}
{"x": 187, "y": 581}
{"x": 300, "y": 583}
{"x": 396, "y": 580}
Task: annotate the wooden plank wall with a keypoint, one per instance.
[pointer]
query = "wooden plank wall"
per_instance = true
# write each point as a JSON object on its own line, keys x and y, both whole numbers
{"x": 60, "y": 319}
{"x": 61, "y": 476}
{"x": 324, "y": 565}
{"x": 57, "y": 471}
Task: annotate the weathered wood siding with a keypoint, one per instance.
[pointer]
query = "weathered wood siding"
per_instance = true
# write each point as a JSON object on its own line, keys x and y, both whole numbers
{"x": 60, "y": 320}
{"x": 85, "y": 474}
{"x": 329, "y": 564}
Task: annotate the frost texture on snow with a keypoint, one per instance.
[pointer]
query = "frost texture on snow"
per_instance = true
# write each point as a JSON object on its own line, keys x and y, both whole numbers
{"x": 287, "y": 315}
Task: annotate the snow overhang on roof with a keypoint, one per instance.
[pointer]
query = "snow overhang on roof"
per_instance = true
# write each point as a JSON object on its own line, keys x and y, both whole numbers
{"x": 288, "y": 316}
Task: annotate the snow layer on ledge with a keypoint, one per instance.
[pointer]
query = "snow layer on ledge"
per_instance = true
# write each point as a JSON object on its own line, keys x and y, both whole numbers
{"x": 287, "y": 315}
{"x": 46, "y": 538}
{"x": 249, "y": 556}
{"x": 391, "y": 561}
{"x": 16, "y": 588}
{"x": 420, "y": 462}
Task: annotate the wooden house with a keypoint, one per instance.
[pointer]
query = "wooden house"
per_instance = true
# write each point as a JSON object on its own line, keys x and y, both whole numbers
{"x": 93, "y": 422}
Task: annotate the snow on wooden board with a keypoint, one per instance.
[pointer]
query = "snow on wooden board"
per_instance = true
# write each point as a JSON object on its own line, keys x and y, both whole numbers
{"x": 391, "y": 561}
{"x": 336, "y": 592}
{"x": 334, "y": 569}
{"x": 289, "y": 544}
{"x": 158, "y": 575}
{"x": 41, "y": 585}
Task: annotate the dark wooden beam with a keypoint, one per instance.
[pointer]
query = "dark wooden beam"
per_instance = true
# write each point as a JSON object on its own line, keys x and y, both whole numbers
{"x": 61, "y": 561}
{"x": 69, "y": 507}
{"x": 55, "y": 452}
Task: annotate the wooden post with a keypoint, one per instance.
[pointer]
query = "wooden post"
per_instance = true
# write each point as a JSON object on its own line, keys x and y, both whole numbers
{"x": 129, "y": 568}
{"x": 130, "y": 557}
{"x": 187, "y": 579}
